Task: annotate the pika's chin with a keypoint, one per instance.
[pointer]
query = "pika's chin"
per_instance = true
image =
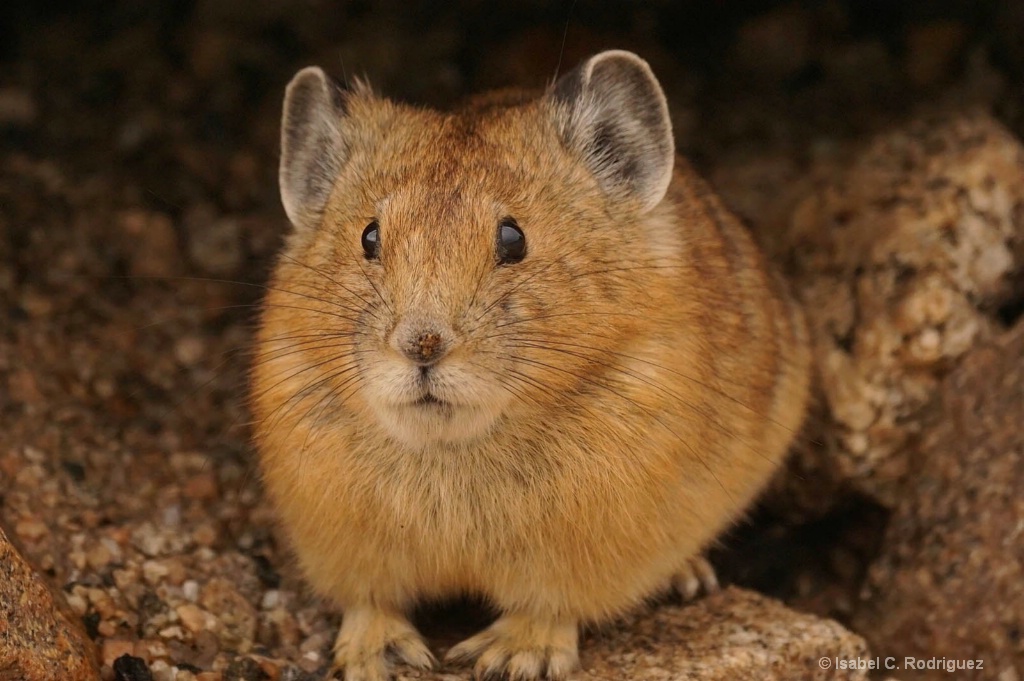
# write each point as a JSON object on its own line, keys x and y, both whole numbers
{"x": 432, "y": 421}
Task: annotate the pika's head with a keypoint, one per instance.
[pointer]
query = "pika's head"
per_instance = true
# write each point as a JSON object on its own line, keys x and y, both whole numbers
{"x": 452, "y": 273}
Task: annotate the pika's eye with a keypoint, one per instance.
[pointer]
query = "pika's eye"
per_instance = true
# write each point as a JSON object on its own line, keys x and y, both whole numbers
{"x": 371, "y": 240}
{"x": 511, "y": 242}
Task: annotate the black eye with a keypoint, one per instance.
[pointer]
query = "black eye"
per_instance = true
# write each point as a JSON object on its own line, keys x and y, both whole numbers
{"x": 511, "y": 242}
{"x": 371, "y": 240}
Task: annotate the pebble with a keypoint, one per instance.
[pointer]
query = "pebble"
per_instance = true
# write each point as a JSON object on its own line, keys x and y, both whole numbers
{"x": 195, "y": 618}
{"x": 190, "y": 590}
{"x": 77, "y": 604}
{"x": 151, "y": 649}
{"x": 271, "y": 599}
{"x": 189, "y": 350}
{"x": 162, "y": 671}
{"x": 237, "y": 617}
{"x": 31, "y": 529}
{"x": 114, "y": 648}
{"x": 154, "y": 572}
{"x": 98, "y": 557}
{"x": 205, "y": 535}
{"x": 149, "y": 540}
{"x": 201, "y": 486}
{"x": 245, "y": 669}
{"x": 129, "y": 668}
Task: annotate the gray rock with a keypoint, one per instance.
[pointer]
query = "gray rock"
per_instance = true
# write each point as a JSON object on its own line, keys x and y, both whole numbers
{"x": 902, "y": 256}
{"x": 950, "y": 580}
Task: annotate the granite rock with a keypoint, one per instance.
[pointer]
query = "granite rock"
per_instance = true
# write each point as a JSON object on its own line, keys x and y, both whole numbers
{"x": 731, "y": 634}
{"x": 903, "y": 257}
{"x": 38, "y": 641}
{"x": 950, "y": 578}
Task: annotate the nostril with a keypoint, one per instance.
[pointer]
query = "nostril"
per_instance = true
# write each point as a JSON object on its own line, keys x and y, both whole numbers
{"x": 426, "y": 348}
{"x": 429, "y": 345}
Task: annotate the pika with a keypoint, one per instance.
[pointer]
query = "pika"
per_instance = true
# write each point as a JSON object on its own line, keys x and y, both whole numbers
{"x": 517, "y": 350}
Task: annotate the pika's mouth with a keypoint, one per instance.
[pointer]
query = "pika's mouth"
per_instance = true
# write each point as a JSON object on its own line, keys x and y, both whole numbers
{"x": 428, "y": 400}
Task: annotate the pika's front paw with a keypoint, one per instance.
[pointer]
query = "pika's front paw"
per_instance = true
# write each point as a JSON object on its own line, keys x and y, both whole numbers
{"x": 521, "y": 648}
{"x": 369, "y": 637}
{"x": 695, "y": 575}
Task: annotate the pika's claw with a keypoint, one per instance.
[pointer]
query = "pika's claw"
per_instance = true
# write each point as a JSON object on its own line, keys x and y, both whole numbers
{"x": 520, "y": 648}
{"x": 369, "y": 637}
{"x": 695, "y": 575}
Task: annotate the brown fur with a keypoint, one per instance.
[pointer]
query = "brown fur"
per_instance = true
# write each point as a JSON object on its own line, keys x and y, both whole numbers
{"x": 633, "y": 384}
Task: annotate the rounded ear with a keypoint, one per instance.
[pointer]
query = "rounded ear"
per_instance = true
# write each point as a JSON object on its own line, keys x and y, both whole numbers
{"x": 612, "y": 112}
{"x": 313, "y": 145}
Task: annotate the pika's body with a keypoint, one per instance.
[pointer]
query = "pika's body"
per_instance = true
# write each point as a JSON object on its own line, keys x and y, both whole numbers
{"x": 515, "y": 350}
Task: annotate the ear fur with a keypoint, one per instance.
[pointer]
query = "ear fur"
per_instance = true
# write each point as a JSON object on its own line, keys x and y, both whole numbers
{"x": 313, "y": 145}
{"x": 612, "y": 112}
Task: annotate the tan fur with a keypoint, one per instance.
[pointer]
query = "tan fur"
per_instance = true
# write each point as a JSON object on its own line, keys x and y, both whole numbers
{"x": 627, "y": 389}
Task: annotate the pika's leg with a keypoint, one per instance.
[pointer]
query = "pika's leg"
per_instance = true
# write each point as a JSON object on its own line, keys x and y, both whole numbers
{"x": 369, "y": 636}
{"x": 695, "y": 574}
{"x": 521, "y": 648}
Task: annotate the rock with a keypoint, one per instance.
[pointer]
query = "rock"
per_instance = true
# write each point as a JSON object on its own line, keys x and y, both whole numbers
{"x": 128, "y": 668}
{"x": 237, "y": 618}
{"x": 40, "y": 641}
{"x": 950, "y": 578}
{"x": 902, "y": 258}
{"x": 732, "y": 634}
{"x": 245, "y": 669}
{"x": 113, "y": 649}
{"x": 196, "y": 619}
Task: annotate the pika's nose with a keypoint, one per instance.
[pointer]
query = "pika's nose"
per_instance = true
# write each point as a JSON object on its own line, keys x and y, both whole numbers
{"x": 423, "y": 343}
{"x": 426, "y": 349}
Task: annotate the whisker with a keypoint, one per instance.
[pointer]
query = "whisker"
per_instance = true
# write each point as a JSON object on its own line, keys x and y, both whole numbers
{"x": 519, "y": 285}
{"x": 214, "y": 280}
{"x": 305, "y": 368}
{"x": 706, "y": 416}
{"x": 294, "y": 349}
{"x": 333, "y": 393}
{"x": 544, "y": 338}
{"x": 648, "y": 412}
{"x": 297, "y": 396}
{"x": 336, "y": 282}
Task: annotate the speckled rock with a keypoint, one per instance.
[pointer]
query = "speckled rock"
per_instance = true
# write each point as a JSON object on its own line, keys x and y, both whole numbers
{"x": 903, "y": 258}
{"x": 39, "y": 641}
{"x": 732, "y": 634}
{"x": 950, "y": 580}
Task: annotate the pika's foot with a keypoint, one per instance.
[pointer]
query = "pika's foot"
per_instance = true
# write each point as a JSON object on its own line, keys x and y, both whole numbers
{"x": 521, "y": 648}
{"x": 695, "y": 575}
{"x": 369, "y": 637}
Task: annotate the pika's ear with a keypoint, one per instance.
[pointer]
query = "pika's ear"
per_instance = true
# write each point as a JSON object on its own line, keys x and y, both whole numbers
{"x": 612, "y": 112}
{"x": 313, "y": 145}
